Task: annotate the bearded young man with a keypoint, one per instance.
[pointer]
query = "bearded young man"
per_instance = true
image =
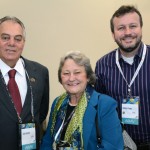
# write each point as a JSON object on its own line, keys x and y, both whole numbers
{"x": 124, "y": 74}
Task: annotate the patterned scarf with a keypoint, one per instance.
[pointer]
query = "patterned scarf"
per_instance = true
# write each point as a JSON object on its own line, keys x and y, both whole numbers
{"x": 76, "y": 123}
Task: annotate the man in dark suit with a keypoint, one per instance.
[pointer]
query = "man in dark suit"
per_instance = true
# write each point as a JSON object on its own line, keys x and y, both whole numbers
{"x": 32, "y": 79}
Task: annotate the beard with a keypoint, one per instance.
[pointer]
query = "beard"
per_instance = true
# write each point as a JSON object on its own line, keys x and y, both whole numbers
{"x": 130, "y": 48}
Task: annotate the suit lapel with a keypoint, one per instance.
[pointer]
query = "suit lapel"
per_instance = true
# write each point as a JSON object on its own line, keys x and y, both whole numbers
{"x": 27, "y": 104}
{"x": 89, "y": 118}
{"x": 30, "y": 76}
{"x": 6, "y": 100}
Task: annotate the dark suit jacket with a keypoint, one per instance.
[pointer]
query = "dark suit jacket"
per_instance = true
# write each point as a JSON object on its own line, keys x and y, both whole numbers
{"x": 39, "y": 78}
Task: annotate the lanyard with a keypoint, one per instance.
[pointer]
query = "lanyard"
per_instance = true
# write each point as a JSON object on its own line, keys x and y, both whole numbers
{"x": 32, "y": 100}
{"x": 137, "y": 70}
{"x": 32, "y": 108}
{"x": 64, "y": 123}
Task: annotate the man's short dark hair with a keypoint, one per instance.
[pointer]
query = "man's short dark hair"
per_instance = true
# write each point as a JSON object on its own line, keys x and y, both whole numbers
{"x": 122, "y": 11}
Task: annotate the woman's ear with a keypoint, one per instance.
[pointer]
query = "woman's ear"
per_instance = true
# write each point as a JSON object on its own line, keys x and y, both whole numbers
{"x": 88, "y": 80}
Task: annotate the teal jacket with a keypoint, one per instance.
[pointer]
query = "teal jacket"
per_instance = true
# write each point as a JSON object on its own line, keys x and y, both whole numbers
{"x": 109, "y": 124}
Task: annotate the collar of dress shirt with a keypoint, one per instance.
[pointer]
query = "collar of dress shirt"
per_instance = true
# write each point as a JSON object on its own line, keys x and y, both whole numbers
{"x": 5, "y": 68}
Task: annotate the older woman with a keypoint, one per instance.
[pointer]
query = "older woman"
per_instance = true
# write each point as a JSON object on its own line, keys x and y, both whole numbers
{"x": 72, "y": 122}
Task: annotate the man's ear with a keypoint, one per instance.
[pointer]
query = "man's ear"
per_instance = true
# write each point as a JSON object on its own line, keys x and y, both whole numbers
{"x": 113, "y": 36}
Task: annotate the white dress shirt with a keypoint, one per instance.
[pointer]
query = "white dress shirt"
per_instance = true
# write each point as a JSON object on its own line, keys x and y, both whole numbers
{"x": 20, "y": 77}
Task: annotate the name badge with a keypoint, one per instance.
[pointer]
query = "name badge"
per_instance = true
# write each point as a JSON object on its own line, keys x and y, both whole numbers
{"x": 130, "y": 110}
{"x": 27, "y": 134}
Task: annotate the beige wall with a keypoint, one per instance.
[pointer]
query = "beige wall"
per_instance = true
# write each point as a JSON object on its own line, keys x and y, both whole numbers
{"x": 56, "y": 26}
